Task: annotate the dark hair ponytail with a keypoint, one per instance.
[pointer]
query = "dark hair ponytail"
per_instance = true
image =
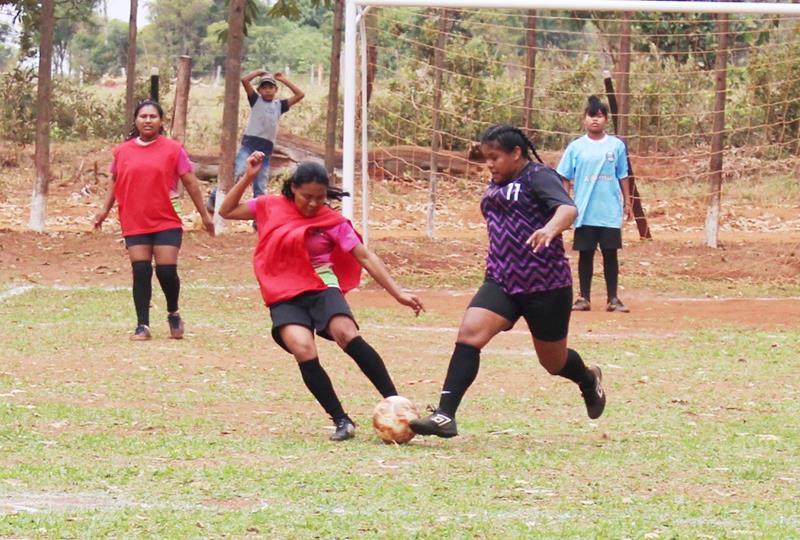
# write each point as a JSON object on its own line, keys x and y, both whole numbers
{"x": 139, "y": 106}
{"x": 594, "y": 105}
{"x": 508, "y": 137}
{"x": 311, "y": 172}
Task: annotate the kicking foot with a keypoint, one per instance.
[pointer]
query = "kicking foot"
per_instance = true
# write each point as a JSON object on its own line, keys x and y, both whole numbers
{"x": 437, "y": 424}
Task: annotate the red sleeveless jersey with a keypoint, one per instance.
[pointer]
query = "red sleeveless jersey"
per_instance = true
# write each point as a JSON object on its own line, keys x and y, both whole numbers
{"x": 144, "y": 175}
{"x": 281, "y": 261}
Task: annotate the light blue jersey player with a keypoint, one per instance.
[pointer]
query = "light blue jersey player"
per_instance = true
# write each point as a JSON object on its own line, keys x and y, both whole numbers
{"x": 596, "y": 166}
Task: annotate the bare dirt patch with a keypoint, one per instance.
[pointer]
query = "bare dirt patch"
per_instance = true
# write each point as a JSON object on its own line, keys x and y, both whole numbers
{"x": 759, "y": 246}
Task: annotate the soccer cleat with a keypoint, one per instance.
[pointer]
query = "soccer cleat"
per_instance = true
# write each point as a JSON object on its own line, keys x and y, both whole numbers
{"x": 437, "y": 424}
{"x": 345, "y": 429}
{"x": 142, "y": 333}
{"x": 175, "y": 326}
{"x": 211, "y": 202}
{"x": 581, "y": 304}
{"x": 615, "y": 304}
{"x": 594, "y": 396}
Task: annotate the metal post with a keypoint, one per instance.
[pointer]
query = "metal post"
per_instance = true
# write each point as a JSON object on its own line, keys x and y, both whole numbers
{"x": 349, "y": 119}
{"x": 154, "y": 84}
{"x": 362, "y": 26}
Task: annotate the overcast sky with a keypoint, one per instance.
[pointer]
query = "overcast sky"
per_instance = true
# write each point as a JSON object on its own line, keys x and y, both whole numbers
{"x": 121, "y": 9}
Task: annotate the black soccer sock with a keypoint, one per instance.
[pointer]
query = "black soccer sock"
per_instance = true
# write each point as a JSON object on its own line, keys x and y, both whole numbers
{"x": 585, "y": 270}
{"x": 611, "y": 271}
{"x": 372, "y": 365}
{"x": 167, "y": 275}
{"x": 142, "y": 290}
{"x": 318, "y": 382}
{"x": 461, "y": 373}
{"x": 575, "y": 370}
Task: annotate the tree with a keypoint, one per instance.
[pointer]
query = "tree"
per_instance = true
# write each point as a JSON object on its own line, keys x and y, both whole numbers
{"x": 95, "y": 52}
{"x": 178, "y": 28}
{"x": 230, "y": 111}
{"x": 286, "y": 43}
{"x": 333, "y": 86}
{"x": 6, "y": 52}
{"x": 130, "y": 64}
{"x": 69, "y": 18}
{"x": 42, "y": 153}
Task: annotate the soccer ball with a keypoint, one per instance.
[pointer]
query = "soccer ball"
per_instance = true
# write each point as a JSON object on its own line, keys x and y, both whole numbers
{"x": 390, "y": 419}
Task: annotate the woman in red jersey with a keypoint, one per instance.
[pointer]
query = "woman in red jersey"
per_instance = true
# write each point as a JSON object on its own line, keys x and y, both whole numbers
{"x": 144, "y": 178}
{"x": 307, "y": 257}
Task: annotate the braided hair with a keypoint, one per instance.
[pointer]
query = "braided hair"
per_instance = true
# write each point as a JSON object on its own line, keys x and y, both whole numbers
{"x": 508, "y": 137}
{"x": 134, "y": 132}
{"x": 311, "y": 172}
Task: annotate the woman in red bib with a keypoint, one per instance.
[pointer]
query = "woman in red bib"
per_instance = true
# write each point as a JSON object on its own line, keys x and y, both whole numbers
{"x": 144, "y": 178}
{"x": 307, "y": 257}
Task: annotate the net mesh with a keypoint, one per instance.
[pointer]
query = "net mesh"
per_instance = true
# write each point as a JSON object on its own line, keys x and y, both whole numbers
{"x": 488, "y": 55}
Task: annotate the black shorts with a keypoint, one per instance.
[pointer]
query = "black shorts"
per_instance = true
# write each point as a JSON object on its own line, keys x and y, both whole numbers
{"x": 587, "y": 238}
{"x": 170, "y": 237}
{"x": 547, "y": 313}
{"x": 313, "y": 309}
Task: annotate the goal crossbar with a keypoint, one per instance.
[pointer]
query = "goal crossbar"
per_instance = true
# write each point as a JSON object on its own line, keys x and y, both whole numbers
{"x": 599, "y": 5}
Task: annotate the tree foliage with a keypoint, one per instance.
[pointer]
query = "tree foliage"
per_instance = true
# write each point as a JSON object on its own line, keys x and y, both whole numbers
{"x": 96, "y": 52}
{"x": 6, "y": 52}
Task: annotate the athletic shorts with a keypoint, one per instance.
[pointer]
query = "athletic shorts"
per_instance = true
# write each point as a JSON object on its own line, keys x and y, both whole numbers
{"x": 547, "y": 312}
{"x": 313, "y": 309}
{"x": 588, "y": 237}
{"x": 170, "y": 237}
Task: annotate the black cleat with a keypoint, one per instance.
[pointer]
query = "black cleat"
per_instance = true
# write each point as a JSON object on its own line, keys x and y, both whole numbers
{"x": 345, "y": 429}
{"x": 581, "y": 304}
{"x": 615, "y": 304}
{"x": 142, "y": 333}
{"x": 211, "y": 203}
{"x": 594, "y": 396}
{"x": 175, "y": 326}
{"x": 437, "y": 424}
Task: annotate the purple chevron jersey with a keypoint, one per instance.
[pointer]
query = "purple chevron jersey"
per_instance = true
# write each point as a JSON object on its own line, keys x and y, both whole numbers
{"x": 513, "y": 211}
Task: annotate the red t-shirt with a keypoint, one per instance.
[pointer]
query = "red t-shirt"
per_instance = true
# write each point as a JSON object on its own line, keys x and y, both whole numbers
{"x": 144, "y": 177}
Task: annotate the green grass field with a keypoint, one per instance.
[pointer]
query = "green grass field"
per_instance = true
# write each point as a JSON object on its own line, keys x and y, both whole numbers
{"x": 216, "y": 436}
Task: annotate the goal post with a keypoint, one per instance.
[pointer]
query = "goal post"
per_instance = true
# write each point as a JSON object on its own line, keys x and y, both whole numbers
{"x": 657, "y": 122}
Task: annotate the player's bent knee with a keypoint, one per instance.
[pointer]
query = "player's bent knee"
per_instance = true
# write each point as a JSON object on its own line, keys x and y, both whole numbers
{"x": 343, "y": 330}
{"x": 473, "y": 336}
{"x": 302, "y": 352}
{"x": 343, "y": 338}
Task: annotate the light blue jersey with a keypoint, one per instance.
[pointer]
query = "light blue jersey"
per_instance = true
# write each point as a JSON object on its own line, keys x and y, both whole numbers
{"x": 595, "y": 169}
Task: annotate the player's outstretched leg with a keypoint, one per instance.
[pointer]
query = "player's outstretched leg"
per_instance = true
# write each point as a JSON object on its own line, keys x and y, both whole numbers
{"x": 461, "y": 373}
{"x": 319, "y": 384}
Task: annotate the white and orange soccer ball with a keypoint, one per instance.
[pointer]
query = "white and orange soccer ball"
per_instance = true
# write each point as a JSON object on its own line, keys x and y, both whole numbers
{"x": 391, "y": 417}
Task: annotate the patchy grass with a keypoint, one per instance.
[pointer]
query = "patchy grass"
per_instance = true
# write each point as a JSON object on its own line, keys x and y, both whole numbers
{"x": 215, "y": 435}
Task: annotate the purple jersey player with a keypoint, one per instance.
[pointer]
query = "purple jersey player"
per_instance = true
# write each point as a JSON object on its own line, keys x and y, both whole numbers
{"x": 527, "y": 275}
